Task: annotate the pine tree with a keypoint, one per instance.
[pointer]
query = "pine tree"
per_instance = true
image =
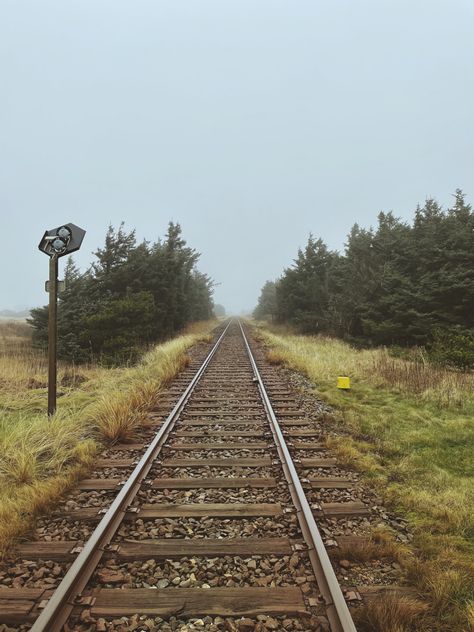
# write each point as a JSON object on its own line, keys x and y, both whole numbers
{"x": 267, "y": 302}
{"x": 398, "y": 284}
{"x": 132, "y": 295}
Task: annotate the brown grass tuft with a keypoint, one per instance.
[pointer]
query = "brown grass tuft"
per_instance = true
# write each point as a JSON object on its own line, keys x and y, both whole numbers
{"x": 379, "y": 545}
{"x": 392, "y": 613}
{"x": 275, "y": 358}
{"x": 115, "y": 417}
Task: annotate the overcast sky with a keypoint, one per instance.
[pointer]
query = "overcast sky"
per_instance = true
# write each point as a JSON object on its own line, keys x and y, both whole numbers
{"x": 251, "y": 122}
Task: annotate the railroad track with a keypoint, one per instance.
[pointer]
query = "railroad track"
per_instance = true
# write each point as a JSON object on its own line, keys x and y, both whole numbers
{"x": 209, "y": 517}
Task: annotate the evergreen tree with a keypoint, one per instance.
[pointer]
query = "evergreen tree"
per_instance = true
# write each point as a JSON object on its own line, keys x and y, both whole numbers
{"x": 267, "y": 302}
{"x": 121, "y": 328}
{"x": 132, "y": 295}
{"x": 398, "y": 284}
{"x": 219, "y": 311}
{"x": 303, "y": 290}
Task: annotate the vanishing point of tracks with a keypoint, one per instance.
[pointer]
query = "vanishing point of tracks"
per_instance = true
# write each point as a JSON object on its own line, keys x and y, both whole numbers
{"x": 223, "y": 456}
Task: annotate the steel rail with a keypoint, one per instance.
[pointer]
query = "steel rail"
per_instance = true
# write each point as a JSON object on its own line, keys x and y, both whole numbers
{"x": 68, "y": 593}
{"x": 336, "y": 607}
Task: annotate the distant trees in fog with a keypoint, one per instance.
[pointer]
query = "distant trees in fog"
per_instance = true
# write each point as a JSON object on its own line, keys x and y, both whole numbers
{"x": 267, "y": 303}
{"x": 219, "y": 311}
{"x": 132, "y": 295}
{"x": 403, "y": 284}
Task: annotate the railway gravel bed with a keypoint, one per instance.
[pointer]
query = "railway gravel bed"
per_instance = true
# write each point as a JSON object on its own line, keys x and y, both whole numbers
{"x": 217, "y": 535}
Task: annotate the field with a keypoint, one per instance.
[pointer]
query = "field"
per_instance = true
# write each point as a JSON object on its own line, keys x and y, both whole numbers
{"x": 40, "y": 458}
{"x": 408, "y": 427}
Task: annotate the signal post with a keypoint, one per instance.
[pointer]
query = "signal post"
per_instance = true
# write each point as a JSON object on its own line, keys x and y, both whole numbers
{"x": 56, "y": 243}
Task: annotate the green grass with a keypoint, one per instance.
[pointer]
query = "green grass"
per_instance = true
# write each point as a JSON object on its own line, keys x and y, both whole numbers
{"x": 41, "y": 458}
{"x": 408, "y": 427}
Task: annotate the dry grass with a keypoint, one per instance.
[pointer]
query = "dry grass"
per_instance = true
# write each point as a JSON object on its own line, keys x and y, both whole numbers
{"x": 119, "y": 411}
{"x": 41, "y": 458}
{"x": 392, "y": 613}
{"x": 380, "y": 544}
{"x": 19, "y": 363}
{"x": 323, "y": 359}
{"x": 445, "y": 387}
{"x": 356, "y": 454}
{"x": 37, "y": 447}
{"x": 408, "y": 427}
{"x": 14, "y": 335}
{"x": 24, "y": 372}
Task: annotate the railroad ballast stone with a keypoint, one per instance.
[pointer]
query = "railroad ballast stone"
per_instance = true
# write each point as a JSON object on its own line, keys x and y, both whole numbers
{"x": 304, "y": 420}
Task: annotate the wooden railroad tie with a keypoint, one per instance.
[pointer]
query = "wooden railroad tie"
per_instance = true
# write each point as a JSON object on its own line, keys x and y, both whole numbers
{"x": 180, "y": 483}
{"x": 324, "y": 463}
{"x": 330, "y": 482}
{"x": 120, "y": 463}
{"x": 223, "y": 422}
{"x": 185, "y": 510}
{"x": 355, "y": 508}
{"x": 264, "y": 461}
{"x": 218, "y": 433}
{"x": 162, "y": 549}
{"x": 17, "y": 605}
{"x": 220, "y": 446}
{"x": 192, "y": 602}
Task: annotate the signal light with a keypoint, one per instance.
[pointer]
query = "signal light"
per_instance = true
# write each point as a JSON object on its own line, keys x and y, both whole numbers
{"x": 62, "y": 240}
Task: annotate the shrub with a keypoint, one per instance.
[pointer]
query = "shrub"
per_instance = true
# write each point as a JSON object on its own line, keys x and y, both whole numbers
{"x": 453, "y": 347}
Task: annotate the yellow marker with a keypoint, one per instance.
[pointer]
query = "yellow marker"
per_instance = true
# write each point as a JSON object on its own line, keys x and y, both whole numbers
{"x": 344, "y": 383}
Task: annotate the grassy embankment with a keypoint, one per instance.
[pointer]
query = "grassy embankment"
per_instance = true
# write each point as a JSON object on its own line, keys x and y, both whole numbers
{"x": 409, "y": 431}
{"x": 41, "y": 458}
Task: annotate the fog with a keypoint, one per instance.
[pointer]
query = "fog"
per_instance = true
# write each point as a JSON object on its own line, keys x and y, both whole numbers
{"x": 250, "y": 122}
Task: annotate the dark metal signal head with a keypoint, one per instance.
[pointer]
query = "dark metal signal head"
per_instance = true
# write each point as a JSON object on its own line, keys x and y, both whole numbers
{"x": 62, "y": 240}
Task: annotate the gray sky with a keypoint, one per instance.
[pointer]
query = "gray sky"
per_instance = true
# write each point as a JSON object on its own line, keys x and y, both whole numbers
{"x": 251, "y": 122}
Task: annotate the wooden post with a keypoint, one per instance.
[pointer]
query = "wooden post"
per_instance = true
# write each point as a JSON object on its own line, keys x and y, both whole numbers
{"x": 52, "y": 333}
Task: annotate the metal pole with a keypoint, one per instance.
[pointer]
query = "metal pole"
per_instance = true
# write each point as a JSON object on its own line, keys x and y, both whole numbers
{"x": 52, "y": 333}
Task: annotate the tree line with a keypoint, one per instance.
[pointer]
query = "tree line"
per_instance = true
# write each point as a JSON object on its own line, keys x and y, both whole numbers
{"x": 397, "y": 284}
{"x": 133, "y": 294}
